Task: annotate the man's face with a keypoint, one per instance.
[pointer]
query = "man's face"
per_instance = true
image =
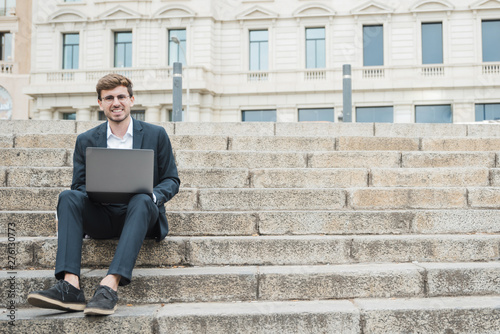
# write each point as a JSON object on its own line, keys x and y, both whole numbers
{"x": 116, "y": 104}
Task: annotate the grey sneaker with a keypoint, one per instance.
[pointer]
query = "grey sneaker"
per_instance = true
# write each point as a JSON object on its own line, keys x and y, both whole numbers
{"x": 62, "y": 296}
{"x": 103, "y": 302}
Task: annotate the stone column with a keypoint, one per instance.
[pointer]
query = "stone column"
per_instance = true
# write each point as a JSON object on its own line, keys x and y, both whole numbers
{"x": 45, "y": 113}
{"x": 83, "y": 113}
{"x": 152, "y": 113}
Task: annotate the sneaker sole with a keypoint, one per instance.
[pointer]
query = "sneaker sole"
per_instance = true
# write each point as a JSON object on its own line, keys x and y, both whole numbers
{"x": 45, "y": 302}
{"x": 98, "y": 311}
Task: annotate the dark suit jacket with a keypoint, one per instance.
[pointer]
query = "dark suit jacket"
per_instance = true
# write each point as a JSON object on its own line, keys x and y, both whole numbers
{"x": 146, "y": 136}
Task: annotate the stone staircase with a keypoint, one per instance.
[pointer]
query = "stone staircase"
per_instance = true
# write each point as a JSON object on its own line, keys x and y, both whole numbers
{"x": 278, "y": 228}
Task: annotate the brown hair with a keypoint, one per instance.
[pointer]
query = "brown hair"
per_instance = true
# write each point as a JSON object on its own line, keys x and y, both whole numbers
{"x": 111, "y": 81}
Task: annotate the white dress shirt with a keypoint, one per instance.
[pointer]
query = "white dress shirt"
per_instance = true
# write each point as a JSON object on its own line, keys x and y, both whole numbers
{"x": 117, "y": 142}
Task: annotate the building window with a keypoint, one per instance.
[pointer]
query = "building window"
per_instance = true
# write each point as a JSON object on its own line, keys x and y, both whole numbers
{"x": 315, "y": 48}
{"x": 433, "y": 114}
{"x": 373, "y": 45}
{"x": 258, "y": 115}
{"x": 491, "y": 40}
{"x": 432, "y": 43}
{"x": 176, "y": 53}
{"x": 139, "y": 115}
{"x": 6, "y": 51}
{"x": 71, "y": 48}
{"x": 259, "y": 50}
{"x": 69, "y": 116}
{"x": 487, "y": 112}
{"x": 123, "y": 49}
{"x": 316, "y": 115}
{"x": 6, "y": 6}
{"x": 374, "y": 115}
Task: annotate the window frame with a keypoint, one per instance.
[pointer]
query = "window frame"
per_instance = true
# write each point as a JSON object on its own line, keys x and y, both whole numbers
{"x": 274, "y": 118}
{"x": 72, "y": 48}
{"x": 433, "y": 105}
{"x": 115, "y": 44}
{"x": 260, "y": 53}
{"x": 306, "y": 40}
{"x": 179, "y": 52}
{"x": 422, "y": 24}
{"x": 373, "y": 107}
{"x": 366, "y": 25}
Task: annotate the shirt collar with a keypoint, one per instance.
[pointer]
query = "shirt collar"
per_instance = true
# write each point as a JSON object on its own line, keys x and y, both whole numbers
{"x": 130, "y": 129}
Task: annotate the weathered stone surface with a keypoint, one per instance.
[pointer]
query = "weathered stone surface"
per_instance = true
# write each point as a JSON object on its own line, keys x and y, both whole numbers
{"x": 408, "y": 198}
{"x": 48, "y": 140}
{"x": 484, "y": 197}
{"x": 99, "y": 253}
{"x": 40, "y": 177}
{"x": 45, "y": 199}
{"x": 82, "y": 126}
{"x": 417, "y": 130}
{"x": 460, "y": 144}
{"x": 232, "y": 159}
{"x": 194, "y": 142}
{"x": 448, "y": 159}
{"x": 3, "y": 176}
{"x": 462, "y": 279}
{"x": 464, "y": 315}
{"x": 271, "y": 199}
{"x": 377, "y": 144}
{"x": 272, "y": 143}
{"x": 341, "y": 281}
{"x": 456, "y": 221}
{"x": 447, "y": 248}
{"x": 214, "y": 177}
{"x": 29, "y": 224}
{"x": 130, "y": 319}
{"x": 324, "y": 129}
{"x": 483, "y": 130}
{"x": 268, "y": 250}
{"x": 166, "y": 285}
{"x": 212, "y": 223}
{"x": 18, "y": 252}
{"x": 262, "y": 317}
{"x": 38, "y": 126}
{"x": 430, "y": 177}
{"x": 354, "y": 159}
{"x": 185, "y": 200}
{"x": 309, "y": 178}
{"x": 334, "y": 222}
{"x": 173, "y": 285}
{"x": 6, "y": 141}
{"x": 225, "y": 129}
{"x": 495, "y": 177}
{"x": 33, "y": 157}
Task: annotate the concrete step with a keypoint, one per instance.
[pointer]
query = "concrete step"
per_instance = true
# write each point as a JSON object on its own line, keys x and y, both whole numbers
{"x": 431, "y": 315}
{"x": 461, "y": 315}
{"x": 279, "y": 199}
{"x": 281, "y": 283}
{"x": 219, "y": 223}
{"x": 281, "y": 177}
{"x": 35, "y": 157}
{"x": 40, "y": 252}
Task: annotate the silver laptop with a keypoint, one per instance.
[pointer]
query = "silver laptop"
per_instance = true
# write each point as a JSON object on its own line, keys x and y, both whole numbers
{"x": 115, "y": 175}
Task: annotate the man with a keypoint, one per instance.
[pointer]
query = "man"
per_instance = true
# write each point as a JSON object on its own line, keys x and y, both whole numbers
{"x": 144, "y": 215}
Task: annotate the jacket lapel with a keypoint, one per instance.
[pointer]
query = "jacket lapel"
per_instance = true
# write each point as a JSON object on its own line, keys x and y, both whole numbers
{"x": 138, "y": 134}
{"x": 100, "y": 136}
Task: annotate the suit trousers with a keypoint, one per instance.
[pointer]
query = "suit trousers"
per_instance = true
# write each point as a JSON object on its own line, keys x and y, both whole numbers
{"x": 78, "y": 216}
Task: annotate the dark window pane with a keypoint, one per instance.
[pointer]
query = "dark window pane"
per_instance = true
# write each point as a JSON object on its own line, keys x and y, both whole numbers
{"x": 373, "y": 45}
{"x": 490, "y": 111}
{"x": 69, "y": 116}
{"x": 374, "y": 115}
{"x": 258, "y": 115}
{"x": 491, "y": 40}
{"x": 316, "y": 115}
{"x": 433, "y": 114}
{"x": 432, "y": 43}
{"x": 138, "y": 114}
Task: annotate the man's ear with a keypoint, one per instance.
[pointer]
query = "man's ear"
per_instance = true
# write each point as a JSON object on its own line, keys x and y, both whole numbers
{"x": 132, "y": 99}
{"x": 100, "y": 104}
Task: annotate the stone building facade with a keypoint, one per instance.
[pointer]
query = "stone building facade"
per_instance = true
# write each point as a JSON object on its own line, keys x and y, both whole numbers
{"x": 271, "y": 60}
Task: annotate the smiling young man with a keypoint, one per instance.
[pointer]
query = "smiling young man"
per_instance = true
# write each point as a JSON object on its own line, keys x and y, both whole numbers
{"x": 144, "y": 215}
